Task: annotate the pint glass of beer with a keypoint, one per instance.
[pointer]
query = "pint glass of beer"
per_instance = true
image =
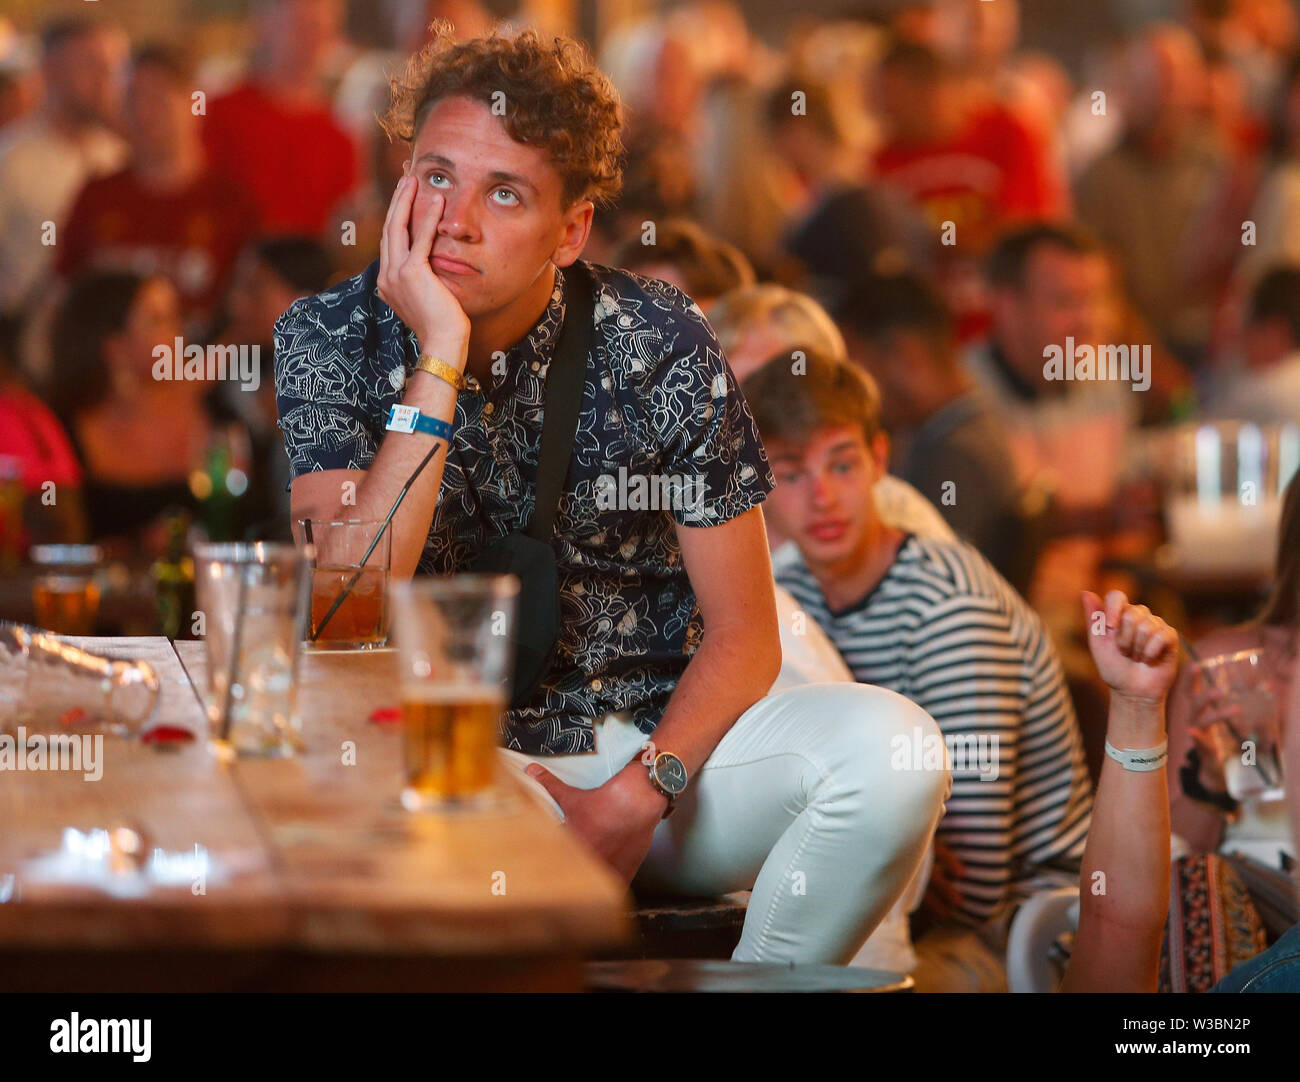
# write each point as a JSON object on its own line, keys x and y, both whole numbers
{"x": 65, "y": 591}
{"x": 455, "y": 641}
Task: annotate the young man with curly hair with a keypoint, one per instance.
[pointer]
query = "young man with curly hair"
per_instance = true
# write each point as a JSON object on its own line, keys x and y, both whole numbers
{"x": 669, "y": 621}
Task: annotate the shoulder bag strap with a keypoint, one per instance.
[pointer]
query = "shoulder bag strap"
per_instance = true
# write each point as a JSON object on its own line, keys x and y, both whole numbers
{"x": 565, "y": 381}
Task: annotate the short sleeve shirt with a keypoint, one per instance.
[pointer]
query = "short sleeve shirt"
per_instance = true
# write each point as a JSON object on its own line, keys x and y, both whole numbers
{"x": 664, "y": 437}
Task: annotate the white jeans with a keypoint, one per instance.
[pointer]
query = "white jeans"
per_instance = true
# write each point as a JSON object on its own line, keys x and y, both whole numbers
{"x": 798, "y": 802}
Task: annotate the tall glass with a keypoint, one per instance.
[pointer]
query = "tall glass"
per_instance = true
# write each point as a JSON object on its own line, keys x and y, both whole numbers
{"x": 65, "y": 591}
{"x": 1251, "y": 717}
{"x": 349, "y": 583}
{"x": 455, "y": 641}
{"x": 253, "y": 599}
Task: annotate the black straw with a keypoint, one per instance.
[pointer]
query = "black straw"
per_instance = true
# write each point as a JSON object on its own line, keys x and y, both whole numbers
{"x": 356, "y": 577}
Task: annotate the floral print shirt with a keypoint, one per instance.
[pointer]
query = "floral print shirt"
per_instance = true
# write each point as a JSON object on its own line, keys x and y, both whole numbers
{"x": 664, "y": 437}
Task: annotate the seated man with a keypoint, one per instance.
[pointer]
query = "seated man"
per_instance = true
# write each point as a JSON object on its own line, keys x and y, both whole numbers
{"x": 682, "y": 253}
{"x": 953, "y": 452}
{"x": 669, "y": 642}
{"x": 754, "y": 323}
{"x": 932, "y": 620}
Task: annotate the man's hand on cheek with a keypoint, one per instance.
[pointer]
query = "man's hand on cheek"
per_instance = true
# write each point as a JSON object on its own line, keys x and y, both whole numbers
{"x": 616, "y": 821}
{"x": 408, "y": 284}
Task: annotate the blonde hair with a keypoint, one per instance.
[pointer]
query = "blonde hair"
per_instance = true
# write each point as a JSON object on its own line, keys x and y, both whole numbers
{"x": 795, "y": 318}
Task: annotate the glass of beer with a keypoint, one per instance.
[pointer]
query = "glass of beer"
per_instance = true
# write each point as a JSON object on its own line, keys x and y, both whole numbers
{"x": 349, "y": 583}
{"x": 455, "y": 641}
{"x": 65, "y": 591}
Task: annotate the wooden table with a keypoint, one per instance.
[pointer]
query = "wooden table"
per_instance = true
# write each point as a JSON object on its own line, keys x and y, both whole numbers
{"x": 319, "y": 879}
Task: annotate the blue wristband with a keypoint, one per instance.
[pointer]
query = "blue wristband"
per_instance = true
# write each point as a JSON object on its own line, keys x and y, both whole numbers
{"x": 410, "y": 419}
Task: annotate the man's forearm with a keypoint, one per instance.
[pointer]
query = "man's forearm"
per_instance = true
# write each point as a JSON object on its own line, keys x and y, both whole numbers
{"x": 725, "y": 677}
{"x": 397, "y": 458}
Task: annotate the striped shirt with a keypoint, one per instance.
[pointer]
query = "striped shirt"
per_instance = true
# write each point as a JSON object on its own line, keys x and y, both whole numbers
{"x": 943, "y": 628}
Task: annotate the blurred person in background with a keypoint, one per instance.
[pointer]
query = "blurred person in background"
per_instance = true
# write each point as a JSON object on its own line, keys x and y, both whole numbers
{"x": 1266, "y": 388}
{"x": 360, "y": 88}
{"x": 1154, "y": 200}
{"x": 1049, "y": 283}
{"x": 945, "y": 441}
{"x": 758, "y": 323}
{"x": 20, "y": 77}
{"x": 1255, "y": 36}
{"x": 684, "y": 255}
{"x": 167, "y": 213}
{"x": 1276, "y": 212}
{"x": 32, "y": 437}
{"x": 841, "y": 228}
{"x": 46, "y": 157}
{"x": 276, "y": 135}
{"x": 143, "y": 442}
{"x": 970, "y": 164}
{"x": 271, "y": 275}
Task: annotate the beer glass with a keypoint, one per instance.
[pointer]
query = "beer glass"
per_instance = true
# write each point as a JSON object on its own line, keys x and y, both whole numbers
{"x": 253, "y": 600}
{"x": 349, "y": 583}
{"x": 455, "y": 642}
{"x": 65, "y": 591}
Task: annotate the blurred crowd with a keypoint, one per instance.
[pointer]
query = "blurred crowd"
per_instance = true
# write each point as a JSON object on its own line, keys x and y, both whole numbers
{"x": 914, "y": 192}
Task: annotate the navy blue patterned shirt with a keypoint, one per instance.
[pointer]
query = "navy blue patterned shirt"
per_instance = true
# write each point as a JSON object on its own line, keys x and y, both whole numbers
{"x": 663, "y": 437}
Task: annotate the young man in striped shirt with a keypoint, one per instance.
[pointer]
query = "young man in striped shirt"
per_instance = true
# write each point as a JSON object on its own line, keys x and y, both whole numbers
{"x": 935, "y": 622}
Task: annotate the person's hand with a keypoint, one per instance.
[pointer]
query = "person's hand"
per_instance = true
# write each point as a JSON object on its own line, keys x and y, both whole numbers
{"x": 407, "y": 282}
{"x": 1135, "y": 652}
{"x": 942, "y": 898}
{"x": 616, "y": 821}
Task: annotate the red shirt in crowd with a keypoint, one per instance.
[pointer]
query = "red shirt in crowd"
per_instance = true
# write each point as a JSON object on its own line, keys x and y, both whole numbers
{"x": 191, "y": 236}
{"x": 31, "y": 433}
{"x": 993, "y": 172}
{"x": 297, "y": 164}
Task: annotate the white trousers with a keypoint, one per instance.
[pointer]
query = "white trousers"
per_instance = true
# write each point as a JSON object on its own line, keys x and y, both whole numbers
{"x": 799, "y": 802}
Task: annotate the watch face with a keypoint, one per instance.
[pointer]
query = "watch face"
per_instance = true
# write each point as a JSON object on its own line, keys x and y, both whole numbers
{"x": 670, "y": 772}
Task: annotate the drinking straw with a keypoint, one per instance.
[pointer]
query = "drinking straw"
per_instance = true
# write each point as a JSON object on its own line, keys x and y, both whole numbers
{"x": 347, "y": 588}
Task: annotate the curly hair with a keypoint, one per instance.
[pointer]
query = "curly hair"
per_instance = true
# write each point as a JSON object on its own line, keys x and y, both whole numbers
{"x": 554, "y": 98}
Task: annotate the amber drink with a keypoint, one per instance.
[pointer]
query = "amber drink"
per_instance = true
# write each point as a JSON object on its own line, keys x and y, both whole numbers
{"x": 455, "y": 640}
{"x": 349, "y": 583}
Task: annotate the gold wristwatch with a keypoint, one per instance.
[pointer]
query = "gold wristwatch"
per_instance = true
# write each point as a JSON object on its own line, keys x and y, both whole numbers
{"x": 441, "y": 369}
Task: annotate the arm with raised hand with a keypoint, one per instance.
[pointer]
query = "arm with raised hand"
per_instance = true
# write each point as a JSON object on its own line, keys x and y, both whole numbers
{"x": 409, "y": 286}
{"x": 1124, "y": 888}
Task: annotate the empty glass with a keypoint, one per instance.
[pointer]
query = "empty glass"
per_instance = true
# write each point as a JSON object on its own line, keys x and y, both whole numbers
{"x": 253, "y": 599}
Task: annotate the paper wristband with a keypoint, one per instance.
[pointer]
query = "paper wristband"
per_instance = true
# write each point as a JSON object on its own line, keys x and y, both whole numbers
{"x": 1142, "y": 760}
{"x": 410, "y": 419}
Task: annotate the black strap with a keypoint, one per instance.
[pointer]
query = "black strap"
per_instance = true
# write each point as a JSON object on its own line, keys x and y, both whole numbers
{"x": 565, "y": 382}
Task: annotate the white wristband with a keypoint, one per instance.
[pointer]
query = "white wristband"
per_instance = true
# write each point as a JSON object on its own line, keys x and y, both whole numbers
{"x": 1142, "y": 760}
